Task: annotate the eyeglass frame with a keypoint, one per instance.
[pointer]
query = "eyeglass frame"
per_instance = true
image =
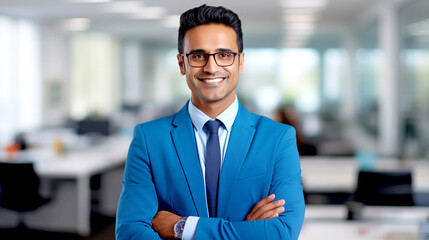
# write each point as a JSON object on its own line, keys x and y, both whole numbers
{"x": 212, "y": 54}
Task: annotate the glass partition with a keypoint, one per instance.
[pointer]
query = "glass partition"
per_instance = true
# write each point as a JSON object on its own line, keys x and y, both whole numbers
{"x": 414, "y": 81}
{"x": 368, "y": 60}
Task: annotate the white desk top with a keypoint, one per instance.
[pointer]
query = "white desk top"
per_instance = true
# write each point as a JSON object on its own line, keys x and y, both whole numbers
{"x": 339, "y": 174}
{"x": 377, "y": 223}
{"x": 82, "y": 162}
{"x": 369, "y": 213}
{"x": 358, "y": 231}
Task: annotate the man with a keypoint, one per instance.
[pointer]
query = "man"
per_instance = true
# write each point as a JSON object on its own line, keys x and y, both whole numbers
{"x": 213, "y": 170}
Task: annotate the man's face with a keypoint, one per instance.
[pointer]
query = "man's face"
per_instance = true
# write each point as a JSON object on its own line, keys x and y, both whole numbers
{"x": 211, "y": 83}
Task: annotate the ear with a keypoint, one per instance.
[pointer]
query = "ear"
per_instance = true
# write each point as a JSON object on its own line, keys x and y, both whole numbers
{"x": 180, "y": 60}
{"x": 240, "y": 63}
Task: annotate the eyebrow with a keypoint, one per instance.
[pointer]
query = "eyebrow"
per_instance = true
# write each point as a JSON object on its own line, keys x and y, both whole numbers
{"x": 217, "y": 50}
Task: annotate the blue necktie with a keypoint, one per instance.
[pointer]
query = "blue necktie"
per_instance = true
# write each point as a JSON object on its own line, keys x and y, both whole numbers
{"x": 212, "y": 165}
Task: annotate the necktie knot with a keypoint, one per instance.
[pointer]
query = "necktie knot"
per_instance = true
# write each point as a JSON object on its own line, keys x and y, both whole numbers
{"x": 213, "y": 126}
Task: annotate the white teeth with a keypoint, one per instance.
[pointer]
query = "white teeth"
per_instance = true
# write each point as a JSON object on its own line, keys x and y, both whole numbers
{"x": 213, "y": 80}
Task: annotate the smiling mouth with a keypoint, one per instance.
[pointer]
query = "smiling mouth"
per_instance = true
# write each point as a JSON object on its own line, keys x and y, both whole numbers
{"x": 212, "y": 80}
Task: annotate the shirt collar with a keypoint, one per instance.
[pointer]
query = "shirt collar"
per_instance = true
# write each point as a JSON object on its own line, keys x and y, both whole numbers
{"x": 227, "y": 117}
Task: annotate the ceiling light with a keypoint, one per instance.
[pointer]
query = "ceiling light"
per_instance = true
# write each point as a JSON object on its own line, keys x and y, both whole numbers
{"x": 88, "y": 1}
{"x": 123, "y": 7}
{"x": 299, "y": 18}
{"x": 171, "y": 21}
{"x": 76, "y": 24}
{"x": 303, "y": 3}
{"x": 149, "y": 13}
{"x": 302, "y": 11}
{"x": 305, "y": 26}
{"x": 299, "y": 32}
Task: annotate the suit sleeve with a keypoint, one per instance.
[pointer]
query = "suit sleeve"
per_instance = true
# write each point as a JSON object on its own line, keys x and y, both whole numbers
{"x": 138, "y": 202}
{"x": 286, "y": 184}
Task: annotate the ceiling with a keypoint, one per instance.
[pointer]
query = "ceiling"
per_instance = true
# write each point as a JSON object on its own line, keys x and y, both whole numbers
{"x": 262, "y": 20}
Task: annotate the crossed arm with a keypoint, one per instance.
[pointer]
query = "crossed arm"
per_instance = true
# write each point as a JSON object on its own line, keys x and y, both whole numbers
{"x": 163, "y": 222}
{"x": 138, "y": 216}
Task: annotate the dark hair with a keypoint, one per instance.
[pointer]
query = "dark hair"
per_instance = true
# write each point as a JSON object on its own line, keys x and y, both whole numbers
{"x": 207, "y": 14}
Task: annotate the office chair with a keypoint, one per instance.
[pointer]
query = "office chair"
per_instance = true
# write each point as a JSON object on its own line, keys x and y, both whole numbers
{"x": 392, "y": 188}
{"x": 19, "y": 189}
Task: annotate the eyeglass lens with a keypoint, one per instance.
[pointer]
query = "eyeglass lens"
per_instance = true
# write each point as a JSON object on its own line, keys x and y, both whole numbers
{"x": 221, "y": 58}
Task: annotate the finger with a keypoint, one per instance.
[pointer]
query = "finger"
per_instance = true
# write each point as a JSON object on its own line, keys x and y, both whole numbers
{"x": 266, "y": 209}
{"x": 266, "y": 215}
{"x": 264, "y": 201}
{"x": 261, "y": 203}
{"x": 272, "y": 213}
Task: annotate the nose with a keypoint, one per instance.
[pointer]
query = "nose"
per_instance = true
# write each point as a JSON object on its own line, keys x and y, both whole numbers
{"x": 211, "y": 66}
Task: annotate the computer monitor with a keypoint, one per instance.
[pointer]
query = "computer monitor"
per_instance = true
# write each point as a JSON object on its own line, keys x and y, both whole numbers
{"x": 100, "y": 126}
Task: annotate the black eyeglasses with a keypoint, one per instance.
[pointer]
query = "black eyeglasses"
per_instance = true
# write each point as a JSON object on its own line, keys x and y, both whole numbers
{"x": 222, "y": 59}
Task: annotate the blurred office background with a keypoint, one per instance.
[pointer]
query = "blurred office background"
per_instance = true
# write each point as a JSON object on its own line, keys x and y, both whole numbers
{"x": 351, "y": 75}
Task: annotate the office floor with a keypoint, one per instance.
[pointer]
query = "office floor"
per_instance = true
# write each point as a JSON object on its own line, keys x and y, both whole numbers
{"x": 103, "y": 228}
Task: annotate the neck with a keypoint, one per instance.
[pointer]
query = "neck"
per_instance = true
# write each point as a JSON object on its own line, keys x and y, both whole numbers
{"x": 213, "y": 109}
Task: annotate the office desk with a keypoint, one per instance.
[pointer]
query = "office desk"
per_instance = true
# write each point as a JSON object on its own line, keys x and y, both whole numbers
{"x": 358, "y": 231}
{"x": 79, "y": 166}
{"x": 339, "y": 174}
{"x": 377, "y": 223}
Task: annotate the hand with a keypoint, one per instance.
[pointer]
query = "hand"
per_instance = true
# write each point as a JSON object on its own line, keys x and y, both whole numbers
{"x": 266, "y": 209}
{"x": 163, "y": 223}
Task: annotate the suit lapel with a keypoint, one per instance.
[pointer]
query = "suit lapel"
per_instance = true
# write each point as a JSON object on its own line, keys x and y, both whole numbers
{"x": 239, "y": 143}
{"x": 184, "y": 141}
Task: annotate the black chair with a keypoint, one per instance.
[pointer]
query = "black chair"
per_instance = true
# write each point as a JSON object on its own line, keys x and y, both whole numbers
{"x": 388, "y": 188}
{"x": 19, "y": 189}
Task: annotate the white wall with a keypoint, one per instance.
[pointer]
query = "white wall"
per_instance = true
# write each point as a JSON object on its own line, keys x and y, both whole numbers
{"x": 55, "y": 75}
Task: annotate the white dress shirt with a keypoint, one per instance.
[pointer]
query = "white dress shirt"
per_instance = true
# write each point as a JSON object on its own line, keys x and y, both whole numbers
{"x": 198, "y": 119}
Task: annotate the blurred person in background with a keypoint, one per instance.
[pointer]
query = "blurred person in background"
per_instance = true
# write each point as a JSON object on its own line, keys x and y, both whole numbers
{"x": 213, "y": 170}
{"x": 288, "y": 114}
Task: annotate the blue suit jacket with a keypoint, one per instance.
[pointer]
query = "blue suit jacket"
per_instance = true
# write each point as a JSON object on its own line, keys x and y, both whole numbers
{"x": 163, "y": 172}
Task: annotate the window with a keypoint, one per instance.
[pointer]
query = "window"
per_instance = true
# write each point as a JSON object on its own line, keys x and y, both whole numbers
{"x": 95, "y": 90}
{"x": 276, "y": 76}
{"x": 20, "y": 78}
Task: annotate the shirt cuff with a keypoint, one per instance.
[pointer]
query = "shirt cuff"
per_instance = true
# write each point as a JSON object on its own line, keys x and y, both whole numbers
{"x": 190, "y": 228}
